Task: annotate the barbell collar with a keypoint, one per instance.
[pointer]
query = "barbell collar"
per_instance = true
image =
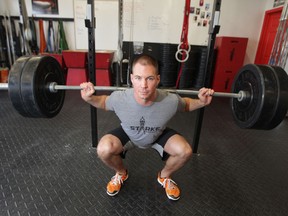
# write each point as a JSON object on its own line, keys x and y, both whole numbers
{"x": 241, "y": 95}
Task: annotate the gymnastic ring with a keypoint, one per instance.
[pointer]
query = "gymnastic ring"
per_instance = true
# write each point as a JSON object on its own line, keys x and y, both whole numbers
{"x": 180, "y": 51}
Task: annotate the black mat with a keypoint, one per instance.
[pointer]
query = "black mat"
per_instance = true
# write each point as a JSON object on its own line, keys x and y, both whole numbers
{"x": 48, "y": 167}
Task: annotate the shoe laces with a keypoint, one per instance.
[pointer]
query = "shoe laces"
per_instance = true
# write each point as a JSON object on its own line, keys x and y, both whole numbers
{"x": 169, "y": 183}
{"x": 117, "y": 179}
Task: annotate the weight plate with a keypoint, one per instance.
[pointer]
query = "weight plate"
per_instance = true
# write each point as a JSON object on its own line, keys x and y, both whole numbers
{"x": 262, "y": 87}
{"x": 280, "y": 110}
{"x": 14, "y": 85}
{"x": 270, "y": 99}
{"x": 38, "y": 72}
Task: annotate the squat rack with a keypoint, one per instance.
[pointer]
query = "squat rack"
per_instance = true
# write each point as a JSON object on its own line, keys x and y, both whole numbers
{"x": 90, "y": 23}
{"x": 213, "y": 31}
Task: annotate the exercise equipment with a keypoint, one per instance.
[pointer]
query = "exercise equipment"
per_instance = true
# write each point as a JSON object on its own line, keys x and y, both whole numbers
{"x": 25, "y": 25}
{"x": 267, "y": 96}
{"x": 279, "y": 54}
{"x": 259, "y": 92}
{"x": 43, "y": 44}
{"x": 184, "y": 47}
{"x": 28, "y": 86}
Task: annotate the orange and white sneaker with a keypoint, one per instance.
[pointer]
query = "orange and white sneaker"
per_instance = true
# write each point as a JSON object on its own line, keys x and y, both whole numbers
{"x": 114, "y": 186}
{"x": 171, "y": 188}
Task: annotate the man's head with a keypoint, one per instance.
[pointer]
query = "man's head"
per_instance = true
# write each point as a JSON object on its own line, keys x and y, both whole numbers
{"x": 145, "y": 77}
{"x": 145, "y": 59}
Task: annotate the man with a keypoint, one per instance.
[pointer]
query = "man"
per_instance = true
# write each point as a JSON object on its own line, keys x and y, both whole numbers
{"x": 144, "y": 112}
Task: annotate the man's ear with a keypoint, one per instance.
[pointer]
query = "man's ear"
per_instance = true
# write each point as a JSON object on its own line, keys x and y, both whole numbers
{"x": 158, "y": 78}
{"x": 131, "y": 77}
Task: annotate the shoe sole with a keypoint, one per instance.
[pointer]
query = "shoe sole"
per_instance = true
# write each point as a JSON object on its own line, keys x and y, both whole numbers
{"x": 112, "y": 194}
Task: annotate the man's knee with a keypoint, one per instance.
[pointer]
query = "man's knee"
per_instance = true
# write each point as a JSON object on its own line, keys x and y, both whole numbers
{"x": 109, "y": 145}
{"x": 187, "y": 152}
{"x": 177, "y": 146}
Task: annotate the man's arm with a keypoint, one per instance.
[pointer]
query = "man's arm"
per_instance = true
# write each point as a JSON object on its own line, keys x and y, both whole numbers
{"x": 87, "y": 91}
{"x": 205, "y": 98}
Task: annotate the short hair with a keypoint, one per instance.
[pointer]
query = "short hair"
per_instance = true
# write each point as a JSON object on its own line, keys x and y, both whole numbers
{"x": 145, "y": 59}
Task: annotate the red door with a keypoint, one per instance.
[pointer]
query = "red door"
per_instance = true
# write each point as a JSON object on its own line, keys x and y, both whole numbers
{"x": 268, "y": 33}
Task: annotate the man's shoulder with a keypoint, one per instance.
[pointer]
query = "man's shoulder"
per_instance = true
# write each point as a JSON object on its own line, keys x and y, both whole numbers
{"x": 117, "y": 96}
{"x": 164, "y": 93}
{"x": 125, "y": 92}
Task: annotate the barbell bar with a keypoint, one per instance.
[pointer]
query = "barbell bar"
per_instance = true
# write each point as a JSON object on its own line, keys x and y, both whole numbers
{"x": 259, "y": 95}
{"x": 54, "y": 87}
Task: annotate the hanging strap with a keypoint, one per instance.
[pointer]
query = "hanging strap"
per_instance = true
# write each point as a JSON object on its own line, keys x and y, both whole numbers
{"x": 7, "y": 42}
{"x": 24, "y": 20}
{"x": 10, "y": 34}
{"x": 183, "y": 47}
{"x": 43, "y": 45}
{"x": 51, "y": 38}
{"x": 63, "y": 45}
{"x": 184, "y": 36}
{"x": 33, "y": 42}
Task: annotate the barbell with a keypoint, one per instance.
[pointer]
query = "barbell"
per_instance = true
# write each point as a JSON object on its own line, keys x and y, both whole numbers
{"x": 259, "y": 96}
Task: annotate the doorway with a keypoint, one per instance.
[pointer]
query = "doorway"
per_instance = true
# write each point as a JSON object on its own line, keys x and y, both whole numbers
{"x": 268, "y": 33}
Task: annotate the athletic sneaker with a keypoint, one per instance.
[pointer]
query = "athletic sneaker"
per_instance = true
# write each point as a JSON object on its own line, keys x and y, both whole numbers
{"x": 114, "y": 186}
{"x": 171, "y": 188}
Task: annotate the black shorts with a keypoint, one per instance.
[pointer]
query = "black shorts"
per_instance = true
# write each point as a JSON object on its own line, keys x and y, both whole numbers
{"x": 158, "y": 145}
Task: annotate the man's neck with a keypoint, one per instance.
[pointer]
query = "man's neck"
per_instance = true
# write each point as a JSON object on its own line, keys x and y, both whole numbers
{"x": 146, "y": 102}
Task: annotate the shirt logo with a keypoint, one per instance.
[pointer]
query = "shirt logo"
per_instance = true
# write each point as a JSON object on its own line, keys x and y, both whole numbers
{"x": 145, "y": 129}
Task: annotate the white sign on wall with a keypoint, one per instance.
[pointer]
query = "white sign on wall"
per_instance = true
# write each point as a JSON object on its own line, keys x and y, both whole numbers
{"x": 106, "y": 32}
{"x": 143, "y": 21}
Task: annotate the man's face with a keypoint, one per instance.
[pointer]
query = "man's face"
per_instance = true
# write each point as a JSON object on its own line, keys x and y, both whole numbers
{"x": 145, "y": 81}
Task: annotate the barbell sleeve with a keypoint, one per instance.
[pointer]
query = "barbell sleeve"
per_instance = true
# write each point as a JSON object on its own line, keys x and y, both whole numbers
{"x": 53, "y": 87}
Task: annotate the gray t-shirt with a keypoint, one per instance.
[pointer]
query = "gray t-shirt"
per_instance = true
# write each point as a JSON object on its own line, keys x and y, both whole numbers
{"x": 144, "y": 124}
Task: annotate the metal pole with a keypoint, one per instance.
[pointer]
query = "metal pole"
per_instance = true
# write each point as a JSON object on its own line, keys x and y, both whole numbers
{"x": 90, "y": 24}
{"x": 213, "y": 30}
{"x": 240, "y": 95}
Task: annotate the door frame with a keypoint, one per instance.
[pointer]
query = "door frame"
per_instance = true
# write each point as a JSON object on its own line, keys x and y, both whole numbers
{"x": 264, "y": 30}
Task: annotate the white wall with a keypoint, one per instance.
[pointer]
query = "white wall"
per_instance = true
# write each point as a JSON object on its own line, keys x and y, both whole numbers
{"x": 239, "y": 18}
{"x": 244, "y": 19}
{"x": 143, "y": 21}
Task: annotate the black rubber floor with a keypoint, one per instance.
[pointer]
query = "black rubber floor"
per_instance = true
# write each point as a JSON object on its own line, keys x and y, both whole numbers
{"x": 48, "y": 167}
